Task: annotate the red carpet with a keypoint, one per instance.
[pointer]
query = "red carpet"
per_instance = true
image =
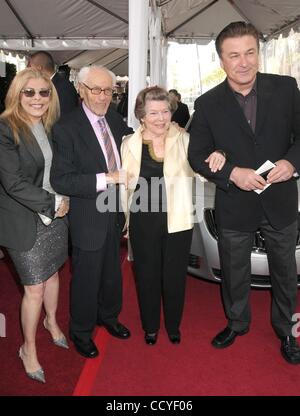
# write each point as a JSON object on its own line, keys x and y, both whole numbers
{"x": 252, "y": 366}
{"x": 62, "y": 367}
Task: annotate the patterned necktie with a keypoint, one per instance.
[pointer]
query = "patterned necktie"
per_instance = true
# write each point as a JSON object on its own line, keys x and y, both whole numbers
{"x": 111, "y": 160}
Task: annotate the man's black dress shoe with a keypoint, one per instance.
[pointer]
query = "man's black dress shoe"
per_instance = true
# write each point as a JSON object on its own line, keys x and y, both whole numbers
{"x": 86, "y": 349}
{"x": 117, "y": 330}
{"x": 290, "y": 350}
{"x": 227, "y": 337}
{"x": 150, "y": 339}
{"x": 175, "y": 338}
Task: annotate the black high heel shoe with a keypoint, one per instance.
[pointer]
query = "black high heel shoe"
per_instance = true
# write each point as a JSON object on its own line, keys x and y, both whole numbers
{"x": 150, "y": 339}
{"x": 175, "y": 338}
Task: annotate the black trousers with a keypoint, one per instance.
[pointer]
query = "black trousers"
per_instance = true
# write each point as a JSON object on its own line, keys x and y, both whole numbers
{"x": 96, "y": 286}
{"x": 160, "y": 262}
{"x": 235, "y": 253}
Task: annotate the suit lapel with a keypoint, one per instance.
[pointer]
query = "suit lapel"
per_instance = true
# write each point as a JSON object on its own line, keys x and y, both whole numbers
{"x": 234, "y": 110}
{"x": 50, "y": 141}
{"x": 34, "y": 149}
{"x": 264, "y": 94}
{"x": 88, "y": 136}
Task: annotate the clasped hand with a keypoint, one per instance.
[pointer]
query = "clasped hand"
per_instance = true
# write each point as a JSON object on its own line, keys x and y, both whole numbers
{"x": 63, "y": 208}
{"x": 216, "y": 161}
{"x": 282, "y": 172}
{"x": 118, "y": 176}
{"x": 247, "y": 180}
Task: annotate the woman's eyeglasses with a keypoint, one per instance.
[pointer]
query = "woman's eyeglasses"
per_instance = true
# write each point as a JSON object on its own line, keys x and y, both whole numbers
{"x": 30, "y": 92}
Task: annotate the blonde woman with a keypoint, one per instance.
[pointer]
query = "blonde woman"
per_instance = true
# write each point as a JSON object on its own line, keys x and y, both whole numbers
{"x": 158, "y": 203}
{"x": 31, "y": 225}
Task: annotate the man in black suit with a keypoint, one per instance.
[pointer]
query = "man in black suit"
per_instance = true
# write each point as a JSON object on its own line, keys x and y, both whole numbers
{"x": 182, "y": 114}
{"x": 253, "y": 118}
{"x": 67, "y": 94}
{"x": 85, "y": 162}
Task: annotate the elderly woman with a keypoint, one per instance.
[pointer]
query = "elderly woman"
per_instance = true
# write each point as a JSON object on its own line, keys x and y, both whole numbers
{"x": 31, "y": 227}
{"x": 158, "y": 201}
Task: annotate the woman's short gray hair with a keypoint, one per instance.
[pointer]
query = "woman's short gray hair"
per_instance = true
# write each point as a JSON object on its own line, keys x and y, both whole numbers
{"x": 84, "y": 71}
{"x": 151, "y": 94}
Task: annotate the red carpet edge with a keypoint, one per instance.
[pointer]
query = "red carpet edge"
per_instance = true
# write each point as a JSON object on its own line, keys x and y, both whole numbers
{"x": 92, "y": 366}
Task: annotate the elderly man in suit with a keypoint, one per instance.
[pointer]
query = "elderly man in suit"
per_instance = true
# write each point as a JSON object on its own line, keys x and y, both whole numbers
{"x": 86, "y": 160}
{"x": 253, "y": 118}
{"x": 67, "y": 94}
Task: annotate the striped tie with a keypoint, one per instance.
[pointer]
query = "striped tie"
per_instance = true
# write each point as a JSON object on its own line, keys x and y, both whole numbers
{"x": 111, "y": 160}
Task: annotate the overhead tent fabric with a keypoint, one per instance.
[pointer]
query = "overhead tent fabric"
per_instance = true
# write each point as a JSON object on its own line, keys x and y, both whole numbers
{"x": 77, "y": 32}
{"x": 188, "y": 19}
{"x": 87, "y": 31}
{"x": 83, "y": 32}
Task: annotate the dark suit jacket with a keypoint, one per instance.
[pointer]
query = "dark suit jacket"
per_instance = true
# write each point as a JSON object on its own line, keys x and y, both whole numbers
{"x": 21, "y": 193}
{"x": 77, "y": 158}
{"x": 181, "y": 115}
{"x": 67, "y": 94}
{"x": 219, "y": 123}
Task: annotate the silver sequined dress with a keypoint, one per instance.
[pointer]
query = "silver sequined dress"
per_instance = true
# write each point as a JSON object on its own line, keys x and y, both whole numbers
{"x": 50, "y": 249}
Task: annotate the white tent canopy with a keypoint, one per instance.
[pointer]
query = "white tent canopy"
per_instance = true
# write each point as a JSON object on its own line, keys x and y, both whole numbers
{"x": 81, "y": 32}
{"x": 188, "y": 19}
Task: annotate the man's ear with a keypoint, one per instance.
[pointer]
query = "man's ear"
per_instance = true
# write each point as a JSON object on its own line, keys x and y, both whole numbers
{"x": 80, "y": 90}
{"x": 221, "y": 63}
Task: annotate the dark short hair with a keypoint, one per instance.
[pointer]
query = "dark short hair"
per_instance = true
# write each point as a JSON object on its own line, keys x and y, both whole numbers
{"x": 150, "y": 94}
{"x": 44, "y": 59}
{"x": 236, "y": 30}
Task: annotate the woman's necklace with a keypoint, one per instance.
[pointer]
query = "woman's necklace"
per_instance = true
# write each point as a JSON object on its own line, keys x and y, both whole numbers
{"x": 157, "y": 150}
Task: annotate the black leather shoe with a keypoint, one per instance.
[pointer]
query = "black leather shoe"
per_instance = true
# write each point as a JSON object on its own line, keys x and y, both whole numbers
{"x": 227, "y": 337}
{"x": 290, "y": 350}
{"x": 86, "y": 349}
{"x": 175, "y": 338}
{"x": 150, "y": 339}
{"x": 118, "y": 330}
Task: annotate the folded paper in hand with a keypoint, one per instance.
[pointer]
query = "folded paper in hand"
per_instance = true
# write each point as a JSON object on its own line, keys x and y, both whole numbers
{"x": 263, "y": 171}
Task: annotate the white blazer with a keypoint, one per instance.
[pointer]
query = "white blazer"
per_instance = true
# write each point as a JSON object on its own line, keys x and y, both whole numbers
{"x": 178, "y": 177}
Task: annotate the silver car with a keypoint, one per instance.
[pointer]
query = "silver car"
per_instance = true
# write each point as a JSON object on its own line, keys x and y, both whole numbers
{"x": 204, "y": 257}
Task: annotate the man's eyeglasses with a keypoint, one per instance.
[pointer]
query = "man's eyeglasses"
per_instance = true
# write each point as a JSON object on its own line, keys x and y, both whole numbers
{"x": 30, "y": 92}
{"x": 97, "y": 90}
